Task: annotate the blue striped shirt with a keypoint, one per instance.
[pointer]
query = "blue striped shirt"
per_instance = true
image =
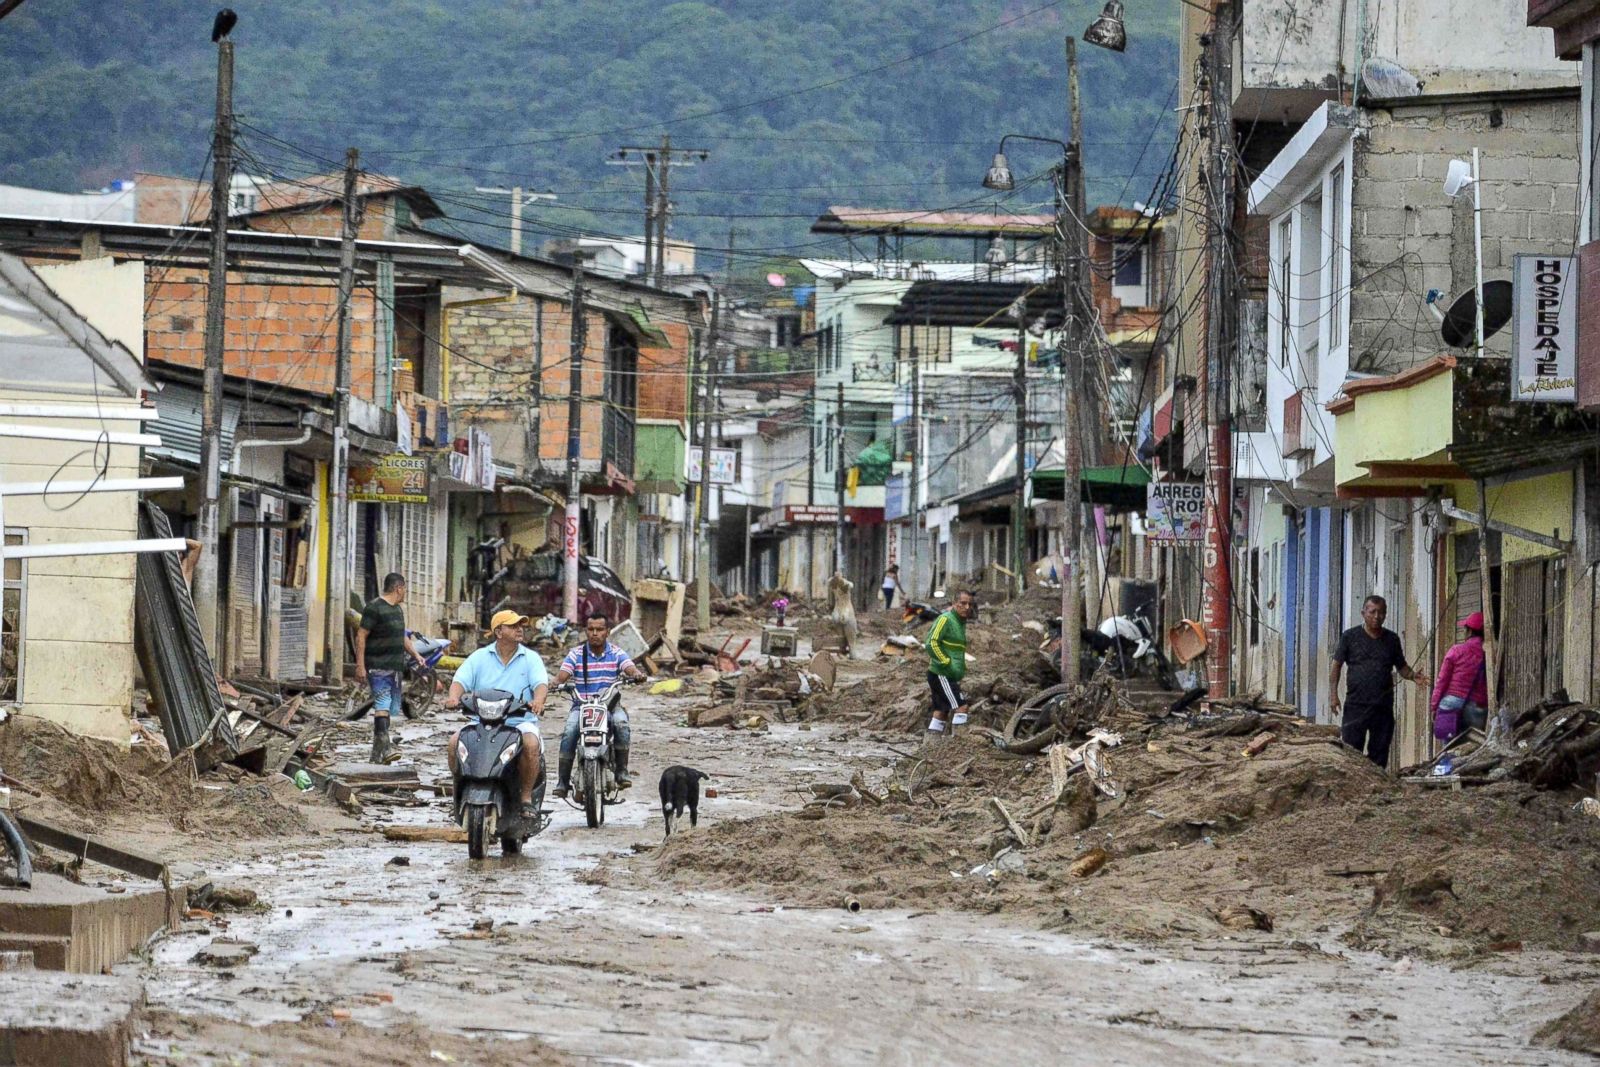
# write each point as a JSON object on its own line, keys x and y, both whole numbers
{"x": 593, "y": 672}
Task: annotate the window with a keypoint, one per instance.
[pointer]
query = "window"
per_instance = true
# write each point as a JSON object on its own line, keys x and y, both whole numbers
{"x": 932, "y": 344}
{"x": 1308, "y": 289}
{"x": 12, "y": 608}
{"x": 1128, "y": 283}
{"x": 1336, "y": 248}
{"x": 787, "y": 331}
{"x": 838, "y": 342}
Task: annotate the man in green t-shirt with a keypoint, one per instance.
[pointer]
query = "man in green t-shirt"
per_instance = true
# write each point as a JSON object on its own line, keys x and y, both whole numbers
{"x": 382, "y": 646}
{"x": 947, "y": 664}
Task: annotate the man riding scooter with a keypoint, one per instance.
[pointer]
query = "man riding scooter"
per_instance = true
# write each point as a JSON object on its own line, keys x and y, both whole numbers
{"x": 592, "y": 667}
{"x": 511, "y": 666}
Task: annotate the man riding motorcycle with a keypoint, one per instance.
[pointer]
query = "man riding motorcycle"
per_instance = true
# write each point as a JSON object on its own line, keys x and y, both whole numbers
{"x": 511, "y": 666}
{"x": 592, "y": 667}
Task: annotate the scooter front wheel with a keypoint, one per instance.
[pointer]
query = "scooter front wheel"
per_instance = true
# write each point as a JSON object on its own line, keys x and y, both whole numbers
{"x": 476, "y": 816}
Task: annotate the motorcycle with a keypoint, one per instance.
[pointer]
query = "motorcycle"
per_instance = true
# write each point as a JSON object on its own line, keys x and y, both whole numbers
{"x": 914, "y": 612}
{"x": 422, "y": 683}
{"x": 1130, "y": 644}
{"x": 594, "y": 779}
{"x": 485, "y": 784}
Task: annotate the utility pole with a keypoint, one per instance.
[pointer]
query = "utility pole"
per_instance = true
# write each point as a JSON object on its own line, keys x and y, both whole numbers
{"x": 663, "y": 209}
{"x": 811, "y": 494}
{"x": 519, "y": 200}
{"x": 1019, "y": 513}
{"x": 916, "y": 463}
{"x": 570, "y": 528}
{"x": 1216, "y": 605}
{"x": 702, "y": 566}
{"x": 339, "y": 469}
{"x": 657, "y": 161}
{"x": 1068, "y": 220}
{"x": 838, "y": 485}
{"x": 205, "y": 575}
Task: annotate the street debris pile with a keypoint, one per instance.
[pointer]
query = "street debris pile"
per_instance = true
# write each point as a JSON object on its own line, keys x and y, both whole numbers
{"x": 1552, "y": 745}
{"x": 1576, "y": 1031}
{"x": 1181, "y": 827}
{"x": 93, "y": 785}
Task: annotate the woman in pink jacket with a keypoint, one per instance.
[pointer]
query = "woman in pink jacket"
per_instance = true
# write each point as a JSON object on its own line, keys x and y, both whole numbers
{"x": 1461, "y": 694}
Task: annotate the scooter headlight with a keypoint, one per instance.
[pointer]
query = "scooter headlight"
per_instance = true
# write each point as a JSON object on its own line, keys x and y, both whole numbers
{"x": 510, "y": 752}
{"x": 461, "y": 753}
{"x": 493, "y": 710}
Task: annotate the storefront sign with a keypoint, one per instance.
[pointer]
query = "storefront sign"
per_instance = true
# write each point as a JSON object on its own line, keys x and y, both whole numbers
{"x": 810, "y": 514}
{"x": 394, "y": 479}
{"x": 1174, "y": 511}
{"x": 1544, "y": 329}
{"x": 724, "y": 466}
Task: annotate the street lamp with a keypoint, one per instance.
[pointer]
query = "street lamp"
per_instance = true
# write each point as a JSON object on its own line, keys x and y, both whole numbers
{"x": 996, "y": 256}
{"x": 998, "y": 176}
{"x": 1108, "y": 30}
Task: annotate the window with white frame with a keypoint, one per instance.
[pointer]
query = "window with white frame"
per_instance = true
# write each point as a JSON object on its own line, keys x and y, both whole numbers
{"x": 1281, "y": 280}
{"x": 1309, "y": 277}
{"x": 1128, "y": 282}
{"x": 1335, "y": 255}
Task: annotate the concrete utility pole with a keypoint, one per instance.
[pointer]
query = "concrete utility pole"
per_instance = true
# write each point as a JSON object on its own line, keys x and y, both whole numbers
{"x": 1069, "y": 219}
{"x": 915, "y": 495}
{"x": 1019, "y": 512}
{"x": 339, "y": 469}
{"x": 811, "y": 495}
{"x": 1216, "y": 605}
{"x": 570, "y": 538}
{"x": 702, "y": 558}
{"x": 205, "y": 574}
{"x": 838, "y": 485}
{"x": 657, "y": 161}
{"x": 519, "y": 200}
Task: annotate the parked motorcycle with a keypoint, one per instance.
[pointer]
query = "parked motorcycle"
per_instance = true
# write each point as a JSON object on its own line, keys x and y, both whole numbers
{"x": 485, "y": 786}
{"x": 1130, "y": 644}
{"x": 422, "y": 683}
{"x": 594, "y": 779}
{"x": 913, "y": 612}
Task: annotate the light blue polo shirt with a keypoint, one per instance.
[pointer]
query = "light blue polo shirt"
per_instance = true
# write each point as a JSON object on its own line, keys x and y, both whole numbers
{"x": 525, "y": 673}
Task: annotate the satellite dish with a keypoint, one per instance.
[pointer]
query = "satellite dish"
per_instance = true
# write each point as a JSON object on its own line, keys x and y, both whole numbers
{"x": 1459, "y": 322}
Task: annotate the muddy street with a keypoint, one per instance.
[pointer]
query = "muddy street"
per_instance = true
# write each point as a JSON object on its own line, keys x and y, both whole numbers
{"x": 583, "y": 947}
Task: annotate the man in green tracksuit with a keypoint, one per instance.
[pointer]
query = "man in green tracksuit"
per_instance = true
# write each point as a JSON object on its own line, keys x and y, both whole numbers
{"x": 947, "y": 664}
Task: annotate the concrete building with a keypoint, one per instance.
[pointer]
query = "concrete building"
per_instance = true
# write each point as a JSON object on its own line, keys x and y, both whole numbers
{"x": 67, "y": 649}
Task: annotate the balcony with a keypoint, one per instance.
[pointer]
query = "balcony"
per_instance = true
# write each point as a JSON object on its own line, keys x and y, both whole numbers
{"x": 617, "y": 441}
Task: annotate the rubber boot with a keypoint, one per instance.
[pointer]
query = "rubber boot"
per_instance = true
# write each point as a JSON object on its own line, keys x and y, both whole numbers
{"x": 563, "y": 778}
{"x": 383, "y": 749}
{"x": 620, "y": 755}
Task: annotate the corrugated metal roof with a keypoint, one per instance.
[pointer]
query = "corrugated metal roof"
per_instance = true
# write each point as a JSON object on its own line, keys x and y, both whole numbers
{"x": 179, "y": 425}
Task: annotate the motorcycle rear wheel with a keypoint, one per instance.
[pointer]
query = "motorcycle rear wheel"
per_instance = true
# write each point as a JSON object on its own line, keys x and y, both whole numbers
{"x": 475, "y": 832}
{"x": 419, "y": 693}
{"x": 594, "y": 799}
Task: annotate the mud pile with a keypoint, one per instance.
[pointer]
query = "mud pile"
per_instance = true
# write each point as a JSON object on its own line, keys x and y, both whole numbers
{"x": 90, "y": 783}
{"x": 1306, "y": 838}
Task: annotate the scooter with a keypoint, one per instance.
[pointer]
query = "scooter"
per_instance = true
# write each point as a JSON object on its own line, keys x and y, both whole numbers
{"x": 485, "y": 784}
{"x": 594, "y": 779}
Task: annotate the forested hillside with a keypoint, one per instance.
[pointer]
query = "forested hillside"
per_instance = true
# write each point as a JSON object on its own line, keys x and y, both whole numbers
{"x": 800, "y": 104}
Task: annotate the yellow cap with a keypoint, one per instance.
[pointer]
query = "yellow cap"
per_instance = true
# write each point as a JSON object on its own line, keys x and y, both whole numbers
{"x": 505, "y": 618}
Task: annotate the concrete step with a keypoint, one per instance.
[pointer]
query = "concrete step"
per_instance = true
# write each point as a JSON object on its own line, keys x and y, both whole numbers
{"x": 78, "y": 1019}
{"x": 97, "y": 928}
{"x": 47, "y": 951}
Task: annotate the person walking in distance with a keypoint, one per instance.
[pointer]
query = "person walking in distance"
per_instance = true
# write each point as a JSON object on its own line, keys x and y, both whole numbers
{"x": 947, "y": 664}
{"x": 382, "y": 646}
{"x": 891, "y": 586}
{"x": 1374, "y": 657}
{"x": 1461, "y": 695}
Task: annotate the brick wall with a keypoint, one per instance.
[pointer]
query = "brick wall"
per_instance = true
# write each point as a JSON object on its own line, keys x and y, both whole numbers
{"x": 1407, "y": 237}
{"x": 491, "y": 361}
{"x": 280, "y": 333}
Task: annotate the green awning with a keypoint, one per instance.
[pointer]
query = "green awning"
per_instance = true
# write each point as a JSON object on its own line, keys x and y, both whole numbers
{"x": 1121, "y": 488}
{"x": 649, "y": 334}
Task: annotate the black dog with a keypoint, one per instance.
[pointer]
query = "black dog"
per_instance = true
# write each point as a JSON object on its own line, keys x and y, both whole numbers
{"x": 680, "y": 789}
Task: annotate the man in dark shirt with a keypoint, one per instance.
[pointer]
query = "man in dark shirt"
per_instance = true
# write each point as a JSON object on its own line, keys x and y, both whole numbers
{"x": 382, "y": 647}
{"x": 1373, "y": 655}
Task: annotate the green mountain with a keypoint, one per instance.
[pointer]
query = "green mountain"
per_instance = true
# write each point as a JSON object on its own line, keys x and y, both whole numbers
{"x": 893, "y": 103}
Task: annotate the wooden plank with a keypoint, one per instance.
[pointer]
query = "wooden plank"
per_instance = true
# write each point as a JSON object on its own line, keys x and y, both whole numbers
{"x": 92, "y": 848}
